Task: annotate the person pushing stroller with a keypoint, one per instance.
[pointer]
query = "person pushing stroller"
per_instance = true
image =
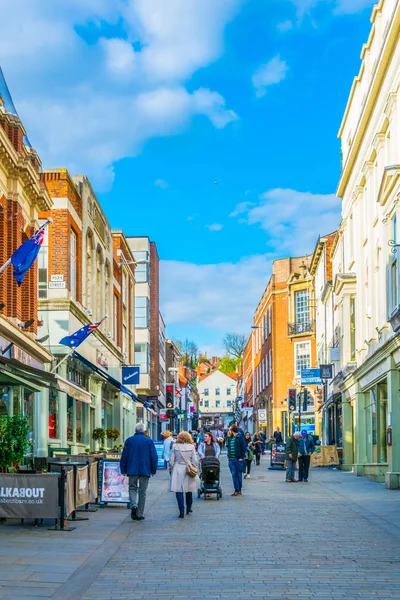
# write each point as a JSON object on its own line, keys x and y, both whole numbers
{"x": 208, "y": 451}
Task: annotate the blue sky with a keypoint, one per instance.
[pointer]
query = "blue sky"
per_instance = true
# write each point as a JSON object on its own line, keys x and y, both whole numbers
{"x": 156, "y": 100}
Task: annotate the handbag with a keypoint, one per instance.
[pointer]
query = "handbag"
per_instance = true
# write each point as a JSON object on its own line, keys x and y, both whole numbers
{"x": 191, "y": 470}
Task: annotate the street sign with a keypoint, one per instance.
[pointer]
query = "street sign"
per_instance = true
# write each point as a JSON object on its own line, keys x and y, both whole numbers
{"x": 326, "y": 371}
{"x": 262, "y": 416}
{"x": 310, "y": 376}
{"x": 130, "y": 375}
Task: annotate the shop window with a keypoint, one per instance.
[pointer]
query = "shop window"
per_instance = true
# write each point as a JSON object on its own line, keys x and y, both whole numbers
{"x": 78, "y": 410}
{"x": 53, "y": 414}
{"x": 4, "y": 400}
{"x": 106, "y": 415}
{"x": 70, "y": 418}
{"x": 28, "y": 412}
{"x": 382, "y": 422}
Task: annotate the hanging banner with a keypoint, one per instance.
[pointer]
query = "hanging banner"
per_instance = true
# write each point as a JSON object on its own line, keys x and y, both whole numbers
{"x": 28, "y": 496}
{"x": 114, "y": 487}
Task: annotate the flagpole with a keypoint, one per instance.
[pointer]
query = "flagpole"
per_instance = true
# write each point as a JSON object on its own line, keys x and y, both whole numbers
{"x": 8, "y": 262}
{"x": 66, "y": 357}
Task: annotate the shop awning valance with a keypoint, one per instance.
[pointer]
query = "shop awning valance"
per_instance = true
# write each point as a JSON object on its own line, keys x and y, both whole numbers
{"x": 114, "y": 382}
{"x": 16, "y": 373}
{"x": 73, "y": 390}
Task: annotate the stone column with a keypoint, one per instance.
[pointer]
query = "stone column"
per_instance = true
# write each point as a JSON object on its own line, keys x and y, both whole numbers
{"x": 347, "y": 433}
{"x": 392, "y": 477}
{"x": 360, "y": 447}
{"x": 41, "y": 419}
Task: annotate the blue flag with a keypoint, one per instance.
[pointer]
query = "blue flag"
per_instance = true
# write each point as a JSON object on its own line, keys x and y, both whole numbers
{"x": 74, "y": 340}
{"x": 24, "y": 256}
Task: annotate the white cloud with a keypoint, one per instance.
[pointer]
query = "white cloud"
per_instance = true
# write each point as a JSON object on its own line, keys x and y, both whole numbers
{"x": 305, "y": 7}
{"x": 268, "y": 74}
{"x": 209, "y": 299}
{"x": 161, "y": 183}
{"x": 347, "y": 7}
{"x": 242, "y": 207}
{"x": 101, "y": 101}
{"x": 293, "y": 219}
{"x": 284, "y": 26}
{"x": 215, "y": 227}
{"x": 120, "y": 56}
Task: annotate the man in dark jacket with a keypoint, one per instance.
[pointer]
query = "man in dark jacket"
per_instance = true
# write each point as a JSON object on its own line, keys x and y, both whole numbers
{"x": 292, "y": 452}
{"x": 138, "y": 461}
{"x": 306, "y": 448}
{"x": 278, "y": 436}
{"x": 236, "y": 446}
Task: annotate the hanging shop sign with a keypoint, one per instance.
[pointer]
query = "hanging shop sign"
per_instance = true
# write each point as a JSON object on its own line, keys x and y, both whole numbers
{"x": 131, "y": 375}
{"x": 28, "y": 496}
{"x": 326, "y": 371}
{"x": 160, "y": 454}
{"x": 113, "y": 486}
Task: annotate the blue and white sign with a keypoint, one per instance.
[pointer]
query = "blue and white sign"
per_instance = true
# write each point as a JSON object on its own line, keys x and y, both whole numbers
{"x": 160, "y": 454}
{"x": 130, "y": 375}
{"x": 311, "y": 376}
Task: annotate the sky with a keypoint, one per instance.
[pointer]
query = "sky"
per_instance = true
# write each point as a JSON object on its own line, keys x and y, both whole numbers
{"x": 208, "y": 125}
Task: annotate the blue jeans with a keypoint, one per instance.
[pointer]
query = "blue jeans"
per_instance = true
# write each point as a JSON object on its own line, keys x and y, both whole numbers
{"x": 181, "y": 503}
{"x": 236, "y": 468}
{"x": 290, "y": 469}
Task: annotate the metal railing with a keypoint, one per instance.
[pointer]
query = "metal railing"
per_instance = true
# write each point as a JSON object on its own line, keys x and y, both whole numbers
{"x": 301, "y": 327}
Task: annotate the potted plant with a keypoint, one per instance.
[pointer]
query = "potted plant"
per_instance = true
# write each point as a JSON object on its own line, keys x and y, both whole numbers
{"x": 99, "y": 435}
{"x": 14, "y": 441}
{"x": 112, "y": 434}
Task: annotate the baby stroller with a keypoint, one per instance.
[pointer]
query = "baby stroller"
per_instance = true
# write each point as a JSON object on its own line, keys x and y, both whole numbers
{"x": 210, "y": 478}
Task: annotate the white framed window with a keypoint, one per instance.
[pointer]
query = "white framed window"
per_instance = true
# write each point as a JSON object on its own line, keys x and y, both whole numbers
{"x": 217, "y": 391}
{"x": 141, "y": 269}
{"x": 43, "y": 264}
{"x": 217, "y": 403}
{"x": 124, "y": 289}
{"x": 302, "y": 357}
{"x": 302, "y": 308}
{"x": 228, "y": 391}
{"x": 206, "y": 391}
{"x": 72, "y": 263}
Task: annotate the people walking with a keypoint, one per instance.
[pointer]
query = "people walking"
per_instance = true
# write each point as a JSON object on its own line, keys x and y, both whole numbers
{"x": 258, "y": 446}
{"x": 263, "y": 439}
{"x": 200, "y": 437}
{"x": 236, "y": 446}
{"x": 306, "y": 448}
{"x": 278, "y": 436}
{"x": 183, "y": 454}
{"x": 292, "y": 452}
{"x": 209, "y": 447}
{"x": 249, "y": 456}
{"x": 138, "y": 461}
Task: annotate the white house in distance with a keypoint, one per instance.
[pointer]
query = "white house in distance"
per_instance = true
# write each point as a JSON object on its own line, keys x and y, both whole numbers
{"x": 217, "y": 392}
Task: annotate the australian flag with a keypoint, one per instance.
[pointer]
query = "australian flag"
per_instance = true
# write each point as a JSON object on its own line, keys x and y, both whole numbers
{"x": 74, "y": 340}
{"x": 24, "y": 256}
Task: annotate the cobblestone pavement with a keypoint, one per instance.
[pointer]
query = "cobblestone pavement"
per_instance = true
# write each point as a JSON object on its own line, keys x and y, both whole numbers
{"x": 336, "y": 537}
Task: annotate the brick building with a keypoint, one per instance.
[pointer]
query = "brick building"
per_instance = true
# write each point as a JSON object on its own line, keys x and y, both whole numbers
{"x": 24, "y": 362}
{"x": 281, "y": 344}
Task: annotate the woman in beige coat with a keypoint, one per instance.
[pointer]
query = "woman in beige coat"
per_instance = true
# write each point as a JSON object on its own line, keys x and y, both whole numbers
{"x": 182, "y": 453}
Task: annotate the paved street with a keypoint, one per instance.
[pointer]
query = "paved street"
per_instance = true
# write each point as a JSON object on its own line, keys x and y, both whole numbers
{"x": 336, "y": 537}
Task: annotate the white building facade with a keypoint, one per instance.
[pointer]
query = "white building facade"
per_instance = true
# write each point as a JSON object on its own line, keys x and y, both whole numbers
{"x": 217, "y": 392}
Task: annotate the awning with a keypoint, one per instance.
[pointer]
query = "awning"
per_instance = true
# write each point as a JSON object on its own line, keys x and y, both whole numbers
{"x": 73, "y": 390}
{"x": 117, "y": 384}
{"x": 15, "y": 372}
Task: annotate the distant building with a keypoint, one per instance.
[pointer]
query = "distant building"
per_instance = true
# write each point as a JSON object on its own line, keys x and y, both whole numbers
{"x": 217, "y": 395}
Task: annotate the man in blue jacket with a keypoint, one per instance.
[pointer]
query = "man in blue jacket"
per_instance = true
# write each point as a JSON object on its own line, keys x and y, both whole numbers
{"x": 236, "y": 446}
{"x": 138, "y": 461}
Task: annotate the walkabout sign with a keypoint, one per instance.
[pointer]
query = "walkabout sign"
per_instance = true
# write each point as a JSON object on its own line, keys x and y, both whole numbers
{"x": 114, "y": 487}
{"x": 130, "y": 375}
{"x": 278, "y": 455}
{"x": 28, "y": 496}
{"x": 160, "y": 454}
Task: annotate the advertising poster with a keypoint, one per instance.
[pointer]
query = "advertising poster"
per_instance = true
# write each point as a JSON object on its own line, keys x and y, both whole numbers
{"x": 278, "y": 454}
{"x": 161, "y": 462}
{"x": 28, "y": 496}
{"x": 317, "y": 458}
{"x": 114, "y": 486}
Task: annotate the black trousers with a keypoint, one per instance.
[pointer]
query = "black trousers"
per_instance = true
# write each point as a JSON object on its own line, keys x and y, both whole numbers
{"x": 181, "y": 501}
{"x": 248, "y": 466}
{"x": 304, "y": 465}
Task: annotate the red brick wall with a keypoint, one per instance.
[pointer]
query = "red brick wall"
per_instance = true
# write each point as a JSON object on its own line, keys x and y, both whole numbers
{"x": 154, "y": 318}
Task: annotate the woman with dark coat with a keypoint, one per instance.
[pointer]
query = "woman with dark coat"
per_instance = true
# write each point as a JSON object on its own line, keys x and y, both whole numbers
{"x": 249, "y": 454}
{"x": 258, "y": 446}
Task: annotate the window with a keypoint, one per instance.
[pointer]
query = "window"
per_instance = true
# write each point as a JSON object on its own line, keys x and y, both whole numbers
{"x": 201, "y": 402}
{"x": 270, "y": 366}
{"x": 269, "y": 320}
{"x": 43, "y": 263}
{"x": 53, "y": 413}
{"x": 302, "y": 357}
{"x": 302, "y": 308}
{"x": 229, "y": 403}
{"x": 115, "y": 318}
{"x": 393, "y": 268}
{"x": 72, "y": 264}
{"x": 142, "y": 357}
{"x": 124, "y": 340}
{"x": 267, "y": 370}
{"x": 206, "y": 392}
{"x": 228, "y": 391}
{"x": 141, "y": 269}
{"x": 206, "y": 403}
{"x": 124, "y": 289}
{"x": 141, "y": 312}
{"x": 217, "y": 392}
{"x": 217, "y": 403}
{"x": 352, "y": 328}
